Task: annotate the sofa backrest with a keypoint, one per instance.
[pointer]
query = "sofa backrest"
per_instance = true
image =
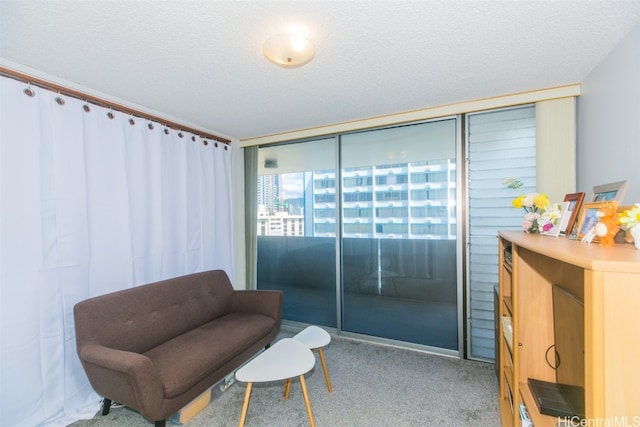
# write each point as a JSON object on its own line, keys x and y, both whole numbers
{"x": 154, "y": 313}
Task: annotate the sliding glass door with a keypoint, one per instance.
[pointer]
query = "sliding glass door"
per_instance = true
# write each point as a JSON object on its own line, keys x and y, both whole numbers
{"x": 399, "y": 233}
{"x": 370, "y": 246}
{"x": 296, "y": 228}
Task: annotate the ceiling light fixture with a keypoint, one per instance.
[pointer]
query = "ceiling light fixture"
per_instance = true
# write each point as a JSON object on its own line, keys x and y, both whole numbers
{"x": 288, "y": 50}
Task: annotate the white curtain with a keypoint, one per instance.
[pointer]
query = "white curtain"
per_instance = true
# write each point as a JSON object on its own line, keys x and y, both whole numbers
{"x": 89, "y": 205}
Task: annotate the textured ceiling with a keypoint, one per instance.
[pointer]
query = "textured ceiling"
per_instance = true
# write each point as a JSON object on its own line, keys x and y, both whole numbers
{"x": 201, "y": 61}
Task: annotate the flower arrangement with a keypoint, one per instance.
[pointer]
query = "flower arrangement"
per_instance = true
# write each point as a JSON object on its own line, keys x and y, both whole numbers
{"x": 539, "y": 217}
{"x": 536, "y": 217}
{"x": 630, "y": 218}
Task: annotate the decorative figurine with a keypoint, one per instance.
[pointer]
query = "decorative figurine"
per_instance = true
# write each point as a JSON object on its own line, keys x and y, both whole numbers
{"x": 589, "y": 235}
{"x": 607, "y": 226}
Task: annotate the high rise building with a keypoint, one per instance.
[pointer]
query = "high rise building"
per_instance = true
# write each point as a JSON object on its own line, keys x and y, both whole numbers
{"x": 269, "y": 192}
{"x": 406, "y": 200}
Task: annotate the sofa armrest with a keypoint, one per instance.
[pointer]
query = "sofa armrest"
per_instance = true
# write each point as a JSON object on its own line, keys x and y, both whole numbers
{"x": 123, "y": 376}
{"x": 262, "y": 301}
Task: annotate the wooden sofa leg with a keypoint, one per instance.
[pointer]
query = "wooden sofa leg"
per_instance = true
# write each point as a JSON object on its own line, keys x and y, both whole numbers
{"x": 106, "y": 405}
{"x": 161, "y": 423}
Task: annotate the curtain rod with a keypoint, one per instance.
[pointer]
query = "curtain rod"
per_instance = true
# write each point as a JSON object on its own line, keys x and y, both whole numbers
{"x": 25, "y": 78}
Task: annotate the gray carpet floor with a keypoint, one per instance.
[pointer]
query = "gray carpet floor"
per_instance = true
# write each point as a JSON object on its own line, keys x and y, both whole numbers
{"x": 373, "y": 386}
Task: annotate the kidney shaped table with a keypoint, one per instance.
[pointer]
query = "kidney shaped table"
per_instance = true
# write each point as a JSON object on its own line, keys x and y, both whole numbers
{"x": 286, "y": 359}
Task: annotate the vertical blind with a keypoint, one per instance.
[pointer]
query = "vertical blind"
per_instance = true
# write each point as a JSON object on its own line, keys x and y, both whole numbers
{"x": 500, "y": 144}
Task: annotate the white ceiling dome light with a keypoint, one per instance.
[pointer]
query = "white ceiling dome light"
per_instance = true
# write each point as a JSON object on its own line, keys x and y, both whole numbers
{"x": 288, "y": 50}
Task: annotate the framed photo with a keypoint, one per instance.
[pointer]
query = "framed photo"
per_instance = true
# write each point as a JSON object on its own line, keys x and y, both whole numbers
{"x": 589, "y": 217}
{"x": 610, "y": 192}
{"x": 561, "y": 223}
{"x": 575, "y": 203}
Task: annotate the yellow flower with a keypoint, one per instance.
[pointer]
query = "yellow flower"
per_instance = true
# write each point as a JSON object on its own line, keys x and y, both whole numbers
{"x": 537, "y": 216}
{"x": 631, "y": 217}
{"x": 541, "y": 201}
{"x": 531, "y": 202}
{"x": 517, "y": 202}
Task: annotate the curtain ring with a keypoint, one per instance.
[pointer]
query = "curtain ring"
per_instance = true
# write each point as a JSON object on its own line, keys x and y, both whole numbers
{"x": 150, "y": 125}
{"x": 205, "y": 142}
{"x": 110, "y": 114}
{"x": 131, "y": 121}
{"x": 216, "y": 144}
{"x": 193, "y": 138}
{"x": 166, "y": 131}
{"x": 59, "y": 100}
{"x": 28, "y": 91}
{"x": 226, "y": 147}
{"x": 86, "y": 107}
{"x": 180, "y": 134}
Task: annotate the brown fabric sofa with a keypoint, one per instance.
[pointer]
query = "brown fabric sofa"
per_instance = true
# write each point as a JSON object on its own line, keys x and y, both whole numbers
{"x": 156, "y": 347}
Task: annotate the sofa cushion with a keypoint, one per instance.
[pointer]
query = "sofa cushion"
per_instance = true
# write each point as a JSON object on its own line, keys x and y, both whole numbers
{"x": 190, "y": 357}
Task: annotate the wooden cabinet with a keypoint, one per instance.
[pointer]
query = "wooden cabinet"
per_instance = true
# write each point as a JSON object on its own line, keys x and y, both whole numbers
{"x": 606, "y": 281}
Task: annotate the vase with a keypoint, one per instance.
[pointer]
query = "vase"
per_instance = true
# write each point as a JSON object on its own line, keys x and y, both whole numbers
{"x": 635, "y": 232}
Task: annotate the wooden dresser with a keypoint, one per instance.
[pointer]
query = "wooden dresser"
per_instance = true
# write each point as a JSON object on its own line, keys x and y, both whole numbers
{"x": 606, "y": 283}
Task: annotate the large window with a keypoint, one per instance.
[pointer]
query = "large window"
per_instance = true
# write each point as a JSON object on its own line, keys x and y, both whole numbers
{"x": 396, "y": 225}
{"x": 297, "y": 250}
{"x": 370, "y": 246}
{"x": 399, "y": 270}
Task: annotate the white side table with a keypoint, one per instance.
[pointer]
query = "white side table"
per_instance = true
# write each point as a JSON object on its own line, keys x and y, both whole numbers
{"x": 284, "y": 360}
{"x": 315, "y": 338}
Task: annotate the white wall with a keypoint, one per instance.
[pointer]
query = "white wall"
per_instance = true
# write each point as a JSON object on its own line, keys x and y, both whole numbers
{"x": 608, "y": 146}
{"x": 556, "y": 147}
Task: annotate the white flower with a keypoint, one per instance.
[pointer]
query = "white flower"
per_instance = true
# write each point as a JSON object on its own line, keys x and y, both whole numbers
{"x": 527, "y": 202}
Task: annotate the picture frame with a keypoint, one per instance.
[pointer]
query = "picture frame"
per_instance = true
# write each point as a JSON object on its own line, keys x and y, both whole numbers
{"x": 589, "y": 217}
{"x": 575, "y": 203}
{"x": 614, "y": 191}
{"x": 561, "y": 224}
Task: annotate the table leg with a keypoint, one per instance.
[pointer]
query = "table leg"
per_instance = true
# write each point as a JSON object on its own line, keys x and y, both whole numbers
{"x": 245, "y": 405}
{"x": 306, "y": 400}
{"x": 324, "y": 368}
{"x": 287, "y": 388}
